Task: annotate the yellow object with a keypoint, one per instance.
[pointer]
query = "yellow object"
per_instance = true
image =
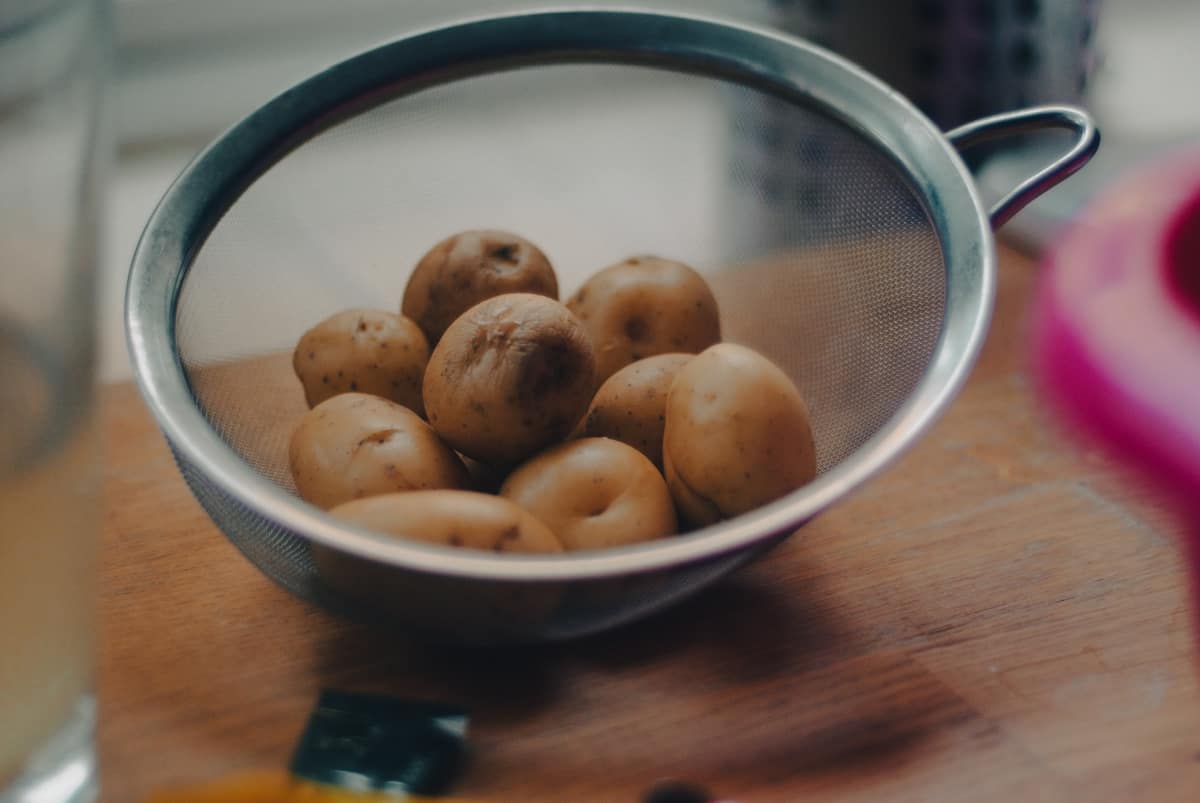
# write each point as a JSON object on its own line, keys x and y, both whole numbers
{"x": 277, "y": 786}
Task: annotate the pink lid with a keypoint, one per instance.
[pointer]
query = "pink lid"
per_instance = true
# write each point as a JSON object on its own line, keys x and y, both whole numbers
{"x": 1117, "y": 323}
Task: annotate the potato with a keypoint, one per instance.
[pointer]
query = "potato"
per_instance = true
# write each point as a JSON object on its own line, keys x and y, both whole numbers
{"x": 631, "y": 405}
{"x": 452, "y": 518}
{"x": 368, "y": 351}
{"x": 511, "y": 376}
{"x": 463, "y": 270}
{"x": 354, "y": 445}
{"x": 737, "y": 435}
{"x": 594, "y": 493}
{"x": 455, "y": 609}
{"x": 642, "y": 307}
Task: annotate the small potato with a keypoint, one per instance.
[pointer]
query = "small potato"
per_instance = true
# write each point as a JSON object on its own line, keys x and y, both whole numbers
{"x": 453, "y": 518}
{"x": 737, "y": 435}
{"x": 354, "y": 445}
{"x": 642, "y": 307}
{"x": 511, "y": 376}
{"x": 455, "y": 609}
{"x": 631, "y": 405}
{"x": 460, "y": 271}
{"x": 594, "y": 493}
{"x": 368, "y": 351}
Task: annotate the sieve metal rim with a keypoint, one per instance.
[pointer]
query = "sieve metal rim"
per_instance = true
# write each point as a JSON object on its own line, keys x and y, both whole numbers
{"x": 704, "y": 46}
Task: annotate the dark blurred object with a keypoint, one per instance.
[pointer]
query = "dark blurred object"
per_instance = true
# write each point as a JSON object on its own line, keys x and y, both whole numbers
{"x": 1146, "y": 62}
{"x": 958, "y": 60}
{"x": 369, "y": 742}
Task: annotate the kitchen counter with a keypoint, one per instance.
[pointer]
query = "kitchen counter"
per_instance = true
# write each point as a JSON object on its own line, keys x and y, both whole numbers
{"x": 999, "y": 617}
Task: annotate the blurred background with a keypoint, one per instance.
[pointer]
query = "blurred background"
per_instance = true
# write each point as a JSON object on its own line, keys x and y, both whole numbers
{"x": 187, "y": 69}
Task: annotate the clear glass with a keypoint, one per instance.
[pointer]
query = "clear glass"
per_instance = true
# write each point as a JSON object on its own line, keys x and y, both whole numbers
{"x": 53, "y": 59}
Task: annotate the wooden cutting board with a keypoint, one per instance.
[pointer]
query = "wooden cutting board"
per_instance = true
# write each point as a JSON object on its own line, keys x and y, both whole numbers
{"x": 998, "y": 618}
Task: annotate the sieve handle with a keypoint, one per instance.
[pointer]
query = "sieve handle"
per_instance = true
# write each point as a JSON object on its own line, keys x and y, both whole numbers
{"x": 1087, "y": 140}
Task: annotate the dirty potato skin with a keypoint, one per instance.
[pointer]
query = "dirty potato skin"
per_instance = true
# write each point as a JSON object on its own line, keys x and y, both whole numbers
{"x": 470, "y": 267}
{"x": 645, "y": 306}
{"x": 511, "y": 376}
{"x": 631, "y": 405}
{"x": 365, "y": 351}
{"x": 737, "y": 435}
{"x": 594, "y": 493}
{"x": 354, "y": 445}
{"x": 453, "y": 518}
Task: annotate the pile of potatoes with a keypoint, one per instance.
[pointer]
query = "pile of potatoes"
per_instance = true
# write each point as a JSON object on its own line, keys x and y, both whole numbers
{"x": 488, "y": 415}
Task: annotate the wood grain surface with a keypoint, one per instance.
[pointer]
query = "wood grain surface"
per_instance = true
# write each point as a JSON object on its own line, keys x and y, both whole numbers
{"x": 998, "y": 618}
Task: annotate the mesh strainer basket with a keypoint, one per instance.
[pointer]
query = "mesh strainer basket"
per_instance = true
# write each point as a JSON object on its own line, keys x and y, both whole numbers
{"x": 596, "y": 134}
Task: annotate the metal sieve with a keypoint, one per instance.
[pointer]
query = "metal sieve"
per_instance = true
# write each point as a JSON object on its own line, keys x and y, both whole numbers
{"x": 596, "y": 134}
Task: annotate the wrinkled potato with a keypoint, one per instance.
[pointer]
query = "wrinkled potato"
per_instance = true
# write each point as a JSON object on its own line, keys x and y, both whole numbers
{"x": 470, "y": 267}
{"x": 365, "y": 351}
{"x": 354, "y": 445}
{"x": 737, "y": 435}
{"x": 452, "y": 518}
{"x": 594, "y": 493}
{"x": 642, "y": 307}
{"x": 509, "y": 377}
{"x": 631, "y": 405}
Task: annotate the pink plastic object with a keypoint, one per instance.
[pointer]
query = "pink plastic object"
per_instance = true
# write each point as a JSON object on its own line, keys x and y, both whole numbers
{"x": 1117, "y": 330}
